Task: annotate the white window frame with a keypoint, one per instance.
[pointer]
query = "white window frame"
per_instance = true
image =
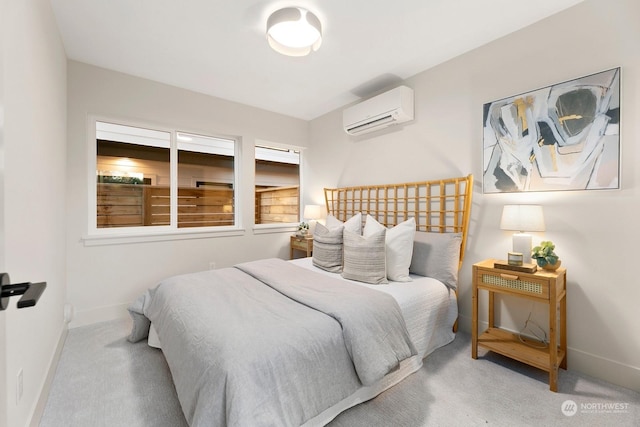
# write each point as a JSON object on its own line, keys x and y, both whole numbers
{"x": 285, "y": 226}
{"x": 120, "y": 235}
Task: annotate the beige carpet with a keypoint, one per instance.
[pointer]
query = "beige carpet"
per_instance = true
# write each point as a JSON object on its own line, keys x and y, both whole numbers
{"x": 103, "y": 380}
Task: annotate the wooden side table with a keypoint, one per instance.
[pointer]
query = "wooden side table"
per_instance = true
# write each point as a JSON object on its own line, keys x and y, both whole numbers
{"x": 543, "y": 286}
{"x": 301, "y": 243}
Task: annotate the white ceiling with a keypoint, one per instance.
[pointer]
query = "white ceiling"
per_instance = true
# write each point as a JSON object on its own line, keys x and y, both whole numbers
{"x": 218, "y": 47}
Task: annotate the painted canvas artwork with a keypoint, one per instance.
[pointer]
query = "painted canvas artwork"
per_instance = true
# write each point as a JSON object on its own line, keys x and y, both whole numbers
{"x": 561, "y": 137}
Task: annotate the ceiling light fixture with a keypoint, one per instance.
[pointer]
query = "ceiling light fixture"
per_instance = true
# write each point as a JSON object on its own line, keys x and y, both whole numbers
{"x": 294, "y": 31}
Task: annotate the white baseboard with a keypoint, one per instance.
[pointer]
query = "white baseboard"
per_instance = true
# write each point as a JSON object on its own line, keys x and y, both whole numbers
{"x": 46, "y": 387}
{"x": 100, "y": 314}
{"x": 609, "y": 370}
{"x": 612, "y": 371}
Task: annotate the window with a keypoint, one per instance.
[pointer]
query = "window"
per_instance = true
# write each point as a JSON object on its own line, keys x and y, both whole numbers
{"x": 277, "y": 191}
{"x": 140, "y": 186}
{"x": 205, "y": 181}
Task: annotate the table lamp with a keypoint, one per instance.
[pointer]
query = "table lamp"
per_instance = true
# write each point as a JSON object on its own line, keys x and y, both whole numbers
{"x": 312, "y": 213}
{"x": 522, "y": 218}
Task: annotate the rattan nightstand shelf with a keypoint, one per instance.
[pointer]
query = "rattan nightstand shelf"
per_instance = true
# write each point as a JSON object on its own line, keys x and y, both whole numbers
{"x": 542, "y": 286}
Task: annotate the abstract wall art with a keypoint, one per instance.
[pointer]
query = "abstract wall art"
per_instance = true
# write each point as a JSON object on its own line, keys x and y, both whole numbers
{"x": 561, "y": 137}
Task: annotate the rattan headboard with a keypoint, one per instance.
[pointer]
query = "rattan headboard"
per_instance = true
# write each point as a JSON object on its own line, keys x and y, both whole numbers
{"x": 441, "y": 206}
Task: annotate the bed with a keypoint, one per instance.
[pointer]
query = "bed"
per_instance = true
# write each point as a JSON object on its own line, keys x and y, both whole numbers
{"x": 289, "y": 343}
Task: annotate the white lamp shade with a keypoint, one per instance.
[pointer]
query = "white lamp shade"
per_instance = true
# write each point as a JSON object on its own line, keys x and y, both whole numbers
{"x": 313, "y": 212}
{"x": 522, "y": 218}
{"x": 294, "y": 31}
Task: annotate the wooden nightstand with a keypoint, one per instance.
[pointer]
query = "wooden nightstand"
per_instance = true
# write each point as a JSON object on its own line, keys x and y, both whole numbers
{"x": 542, "y": 286}
{"x": 301, "y": 243}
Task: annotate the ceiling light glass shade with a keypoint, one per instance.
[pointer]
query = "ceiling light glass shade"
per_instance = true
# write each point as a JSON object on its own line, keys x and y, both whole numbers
{"x": 294, "y": 31}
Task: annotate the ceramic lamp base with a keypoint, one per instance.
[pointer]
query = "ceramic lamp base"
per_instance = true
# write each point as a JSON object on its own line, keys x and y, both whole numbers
{"x": 522, "y": 244}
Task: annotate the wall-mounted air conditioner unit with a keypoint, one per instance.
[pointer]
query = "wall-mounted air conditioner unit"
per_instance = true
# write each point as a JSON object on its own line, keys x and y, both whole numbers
{"x": 388, "y": 108}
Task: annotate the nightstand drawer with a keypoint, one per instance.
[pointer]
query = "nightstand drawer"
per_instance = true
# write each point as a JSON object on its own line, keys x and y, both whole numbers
{"x": 300, "y": 243}
{"x": 513, "y": 282}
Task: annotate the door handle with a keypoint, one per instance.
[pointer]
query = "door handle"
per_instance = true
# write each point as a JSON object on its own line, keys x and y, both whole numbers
{"x": 30, "y": 292}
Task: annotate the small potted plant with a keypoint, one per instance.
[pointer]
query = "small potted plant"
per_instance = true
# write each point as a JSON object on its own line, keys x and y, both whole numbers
{"x": 545, "y": 256}
{"x": 303, "y": 229}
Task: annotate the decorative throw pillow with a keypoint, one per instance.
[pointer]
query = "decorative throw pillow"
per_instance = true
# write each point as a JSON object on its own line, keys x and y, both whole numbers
{"x": 353, "y": 224}
{"x": 327, "y": 248}
{"x": 398, "y": 246}
{"x": 437, "y": 255}
{"x": 364, "y": 257}
{"x": 141, "y": 324}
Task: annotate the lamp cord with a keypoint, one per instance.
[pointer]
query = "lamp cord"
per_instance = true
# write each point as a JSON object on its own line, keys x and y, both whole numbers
{"x": 542, "y": 339}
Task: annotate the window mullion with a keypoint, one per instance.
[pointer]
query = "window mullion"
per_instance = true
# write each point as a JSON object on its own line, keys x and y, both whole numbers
{"x": 173, "y": 186}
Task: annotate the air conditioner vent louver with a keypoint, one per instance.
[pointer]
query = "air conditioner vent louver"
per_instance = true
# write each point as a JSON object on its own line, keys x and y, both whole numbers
{"x": 373, "y": 124}
{"x": 379, "y": 112}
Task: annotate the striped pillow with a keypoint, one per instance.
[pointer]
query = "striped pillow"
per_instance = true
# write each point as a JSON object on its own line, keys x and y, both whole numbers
{"x": 327, "y": 248}
{"x": 364, "y": 257}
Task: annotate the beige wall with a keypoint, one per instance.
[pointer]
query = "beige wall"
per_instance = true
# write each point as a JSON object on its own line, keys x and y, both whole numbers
{"x": 595, "y": 232}
{"x": 33, "y": 246}
{"x": 103, "y": 280}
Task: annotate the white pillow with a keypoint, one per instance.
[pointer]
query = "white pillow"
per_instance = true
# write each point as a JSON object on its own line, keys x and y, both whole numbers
{"x": 353, "y": 224}
{"x": 398, "y": 246}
